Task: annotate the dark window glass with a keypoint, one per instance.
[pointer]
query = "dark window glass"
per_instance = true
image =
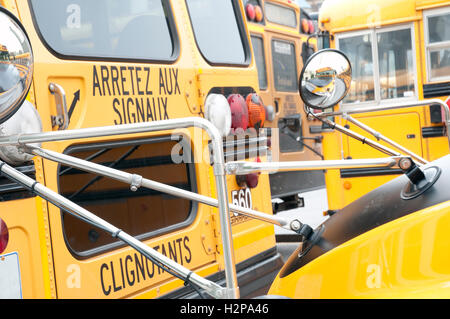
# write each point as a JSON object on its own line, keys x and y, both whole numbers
{"x": 396, "y": 64}
{"x": 142, "y": 213}
{"x": 359, "y": 51}
{"x": 216, "y": 31}
{"x": 284, "y": 66}
{"x": 438, "y": 28}
{"x": 258, "y": 50}
{"x": 135, "y": 29}
{"x": 439, "y": 46}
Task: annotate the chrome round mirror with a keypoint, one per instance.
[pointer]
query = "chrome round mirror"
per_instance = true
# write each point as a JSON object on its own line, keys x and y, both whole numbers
{"x": 16, "y": 65}
{"x": 325, "y": 79}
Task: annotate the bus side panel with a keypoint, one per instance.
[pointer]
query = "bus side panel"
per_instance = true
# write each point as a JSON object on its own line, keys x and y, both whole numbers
{"x": 27, "y": 238}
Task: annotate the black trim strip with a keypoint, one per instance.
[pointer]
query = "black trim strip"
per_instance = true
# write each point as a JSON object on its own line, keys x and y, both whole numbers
{"x": 10, "y": 190}
{"x": 436, "y": 90}
{"x": 434, "y": 131}
{"x": 369, "y": 171}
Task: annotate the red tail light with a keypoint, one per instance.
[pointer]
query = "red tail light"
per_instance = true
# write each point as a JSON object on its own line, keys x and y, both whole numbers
{"x": 311, "y": 26}
{"x": 443, "y": 111}
{"x": 4, "y": 236}
{"x": 305, "y": 26}
{"x": 250, "y": 10}
{"x": 256, "y": 111}
{"x": 258, "y": 14}
{"x": 239, "y": 111}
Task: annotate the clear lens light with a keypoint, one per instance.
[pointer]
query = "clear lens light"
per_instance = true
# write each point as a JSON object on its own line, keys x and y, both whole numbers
{"x": 217, "y": 111}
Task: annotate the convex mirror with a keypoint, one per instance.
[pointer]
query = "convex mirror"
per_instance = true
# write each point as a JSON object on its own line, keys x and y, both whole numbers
{"x": 16, "y": 64}
{"x": 325, "y": 79}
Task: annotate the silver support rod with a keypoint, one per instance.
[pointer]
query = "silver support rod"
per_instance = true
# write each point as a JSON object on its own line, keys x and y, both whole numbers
{"x": 395, "y": 106}
{"x": 145, "y": 127}
{"x": 138, "y": 181}
{"x": 361, "y": 138}
{"x": 242, "y": 167}
{"x": 210, "y": 287}
{"x": 380, "y": 136}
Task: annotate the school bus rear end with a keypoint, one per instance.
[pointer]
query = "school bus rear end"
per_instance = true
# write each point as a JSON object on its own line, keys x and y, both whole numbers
{"x": 82, "y": 59}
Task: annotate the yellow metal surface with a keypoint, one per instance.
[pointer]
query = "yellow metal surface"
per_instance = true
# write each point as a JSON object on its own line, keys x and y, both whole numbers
{"x": 175, "y": 90}
{"x": 405, "y": 258}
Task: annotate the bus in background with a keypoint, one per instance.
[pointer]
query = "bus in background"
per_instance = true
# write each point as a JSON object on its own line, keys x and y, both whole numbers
{"x": 101, "y": 63}
{"x": 279, "y": 32}
{"x": 399, "y": 53}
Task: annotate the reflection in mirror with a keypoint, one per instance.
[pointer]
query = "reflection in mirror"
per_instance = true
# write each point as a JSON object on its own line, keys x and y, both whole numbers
{"x": 16, "y": 65}
{"x": 325, "y": 79}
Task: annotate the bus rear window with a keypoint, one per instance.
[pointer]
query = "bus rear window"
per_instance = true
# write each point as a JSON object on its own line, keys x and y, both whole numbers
{"x": 144, "y": 213}
{"x": 281, "y": 15}
{"x": 114, "y": 29}
{"x": 218, "y": 31}
{"x": 284, "y": 66}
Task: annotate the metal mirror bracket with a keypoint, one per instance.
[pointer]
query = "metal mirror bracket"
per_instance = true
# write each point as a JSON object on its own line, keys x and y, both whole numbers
{"x": 394, "y": 106}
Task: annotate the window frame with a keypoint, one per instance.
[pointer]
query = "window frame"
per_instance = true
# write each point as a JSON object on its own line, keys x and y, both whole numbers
{"x": 261, "y": 37}
{"x": 170, "y": 60}
{"x": 290, "y": 42}
{"x": 242, "y": 32}
{"x": 191, "y": 175}
{"x": 432, "y": 46}
{"x": 377, "y": 89}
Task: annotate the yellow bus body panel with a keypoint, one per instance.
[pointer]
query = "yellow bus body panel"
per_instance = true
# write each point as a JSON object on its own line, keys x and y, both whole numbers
{"x": 49, "y": 269}
{"x": 405, "y": 258}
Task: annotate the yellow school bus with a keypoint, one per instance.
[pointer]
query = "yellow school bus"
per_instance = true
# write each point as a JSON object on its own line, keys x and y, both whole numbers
{"x": 114, "y": 63}
{"x": 279, "y": 33}
{"x": 398, "y": 51}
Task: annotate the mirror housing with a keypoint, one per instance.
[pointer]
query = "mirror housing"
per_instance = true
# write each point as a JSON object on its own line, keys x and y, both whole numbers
{"x": 325, "y": 79}
{"x": 16, "y": 64}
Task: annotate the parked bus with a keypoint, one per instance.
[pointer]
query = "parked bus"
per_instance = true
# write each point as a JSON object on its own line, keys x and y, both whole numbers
{"x": 279, "y": 32}
{"x": 398, "y": 51}
{"x": 111, "y": 63}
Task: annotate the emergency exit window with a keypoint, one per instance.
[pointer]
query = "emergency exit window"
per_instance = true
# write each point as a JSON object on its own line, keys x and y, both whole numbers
{"x": 284, "y": 63}
{"x": 143, "y": 213}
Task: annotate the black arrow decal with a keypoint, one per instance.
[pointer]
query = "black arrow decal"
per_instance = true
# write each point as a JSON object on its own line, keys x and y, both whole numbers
{"x": 76, "y": 98}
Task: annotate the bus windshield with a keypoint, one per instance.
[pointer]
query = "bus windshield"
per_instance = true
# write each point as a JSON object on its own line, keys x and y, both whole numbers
{"x": 136, "y": 29}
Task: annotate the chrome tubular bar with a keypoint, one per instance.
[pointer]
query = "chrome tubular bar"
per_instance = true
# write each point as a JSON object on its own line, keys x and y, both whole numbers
{"x": 242, "y": 167}
{"x": 210, "y": 287}
{"x": 380, "y": 136}
{"x": 395, "y": 106}
{"x": 136, "y": 181}
{"x": 232, "y": 289}
{"x": 361, "y": 138}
